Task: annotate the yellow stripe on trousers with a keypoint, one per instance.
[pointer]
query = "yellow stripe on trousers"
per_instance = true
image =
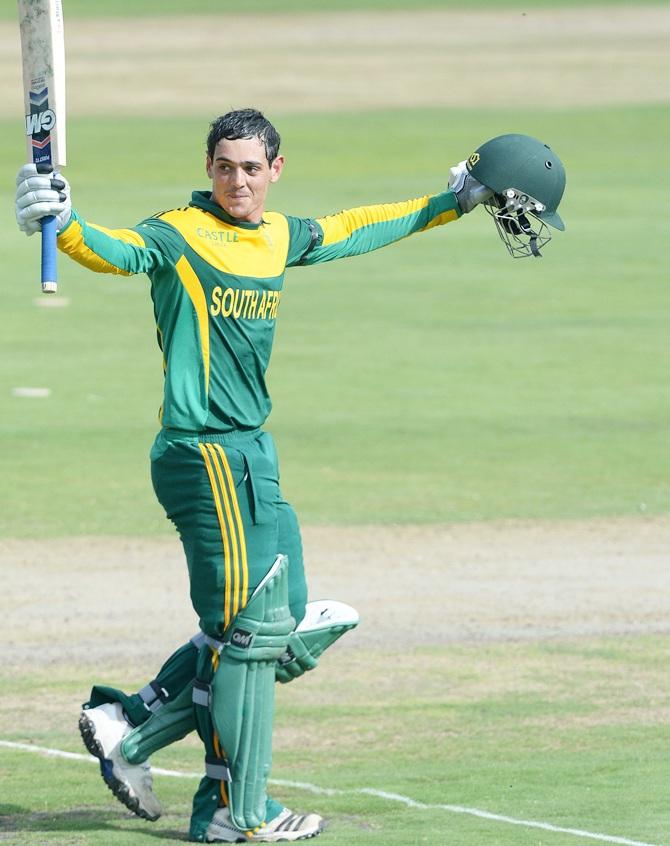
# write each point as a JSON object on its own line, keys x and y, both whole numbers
{"x": 224, "y": 533}
{"x": 225, "y": 496}
{"x": 240, "y": 527}
{"x": 232, "y": 508}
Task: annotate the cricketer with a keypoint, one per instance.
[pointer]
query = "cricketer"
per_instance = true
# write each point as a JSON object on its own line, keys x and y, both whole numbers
{"x": 216, "y": 267}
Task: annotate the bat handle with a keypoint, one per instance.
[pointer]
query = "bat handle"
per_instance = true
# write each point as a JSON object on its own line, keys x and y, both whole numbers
{"x": 49, "y": 274}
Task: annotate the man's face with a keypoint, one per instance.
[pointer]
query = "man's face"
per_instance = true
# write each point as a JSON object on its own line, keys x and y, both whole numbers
{"x": 241, "y": 175}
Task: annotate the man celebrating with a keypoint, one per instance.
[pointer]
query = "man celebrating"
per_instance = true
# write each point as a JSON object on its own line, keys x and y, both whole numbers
{"x": 217, "y": 268}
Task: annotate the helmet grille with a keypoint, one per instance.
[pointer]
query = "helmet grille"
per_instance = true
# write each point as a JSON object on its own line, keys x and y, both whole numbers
{"x": 515, "y": 217}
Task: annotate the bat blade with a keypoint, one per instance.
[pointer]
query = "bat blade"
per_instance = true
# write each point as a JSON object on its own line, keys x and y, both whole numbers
{"x": 43, "y": 57}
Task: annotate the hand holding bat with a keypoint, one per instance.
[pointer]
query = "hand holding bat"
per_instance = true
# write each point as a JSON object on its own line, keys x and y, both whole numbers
{"x": 43, "y": 56}
{"x": 39, "y": 195}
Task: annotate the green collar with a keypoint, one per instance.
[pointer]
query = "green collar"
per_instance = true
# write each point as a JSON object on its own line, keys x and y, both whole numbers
{"x": 203, "y": 200}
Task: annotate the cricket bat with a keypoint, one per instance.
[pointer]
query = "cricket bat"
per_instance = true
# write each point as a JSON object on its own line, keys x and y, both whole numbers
{"x": 43, "y": 57}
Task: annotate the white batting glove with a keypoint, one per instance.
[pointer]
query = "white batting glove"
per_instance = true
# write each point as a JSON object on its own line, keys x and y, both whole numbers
{"x": 39, "y": 195}
{"x": 469, "y": 192}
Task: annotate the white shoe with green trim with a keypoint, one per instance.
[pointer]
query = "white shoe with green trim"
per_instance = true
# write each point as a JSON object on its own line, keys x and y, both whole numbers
{"x": 285, "y": 826}
{"x": 102, "y": 729}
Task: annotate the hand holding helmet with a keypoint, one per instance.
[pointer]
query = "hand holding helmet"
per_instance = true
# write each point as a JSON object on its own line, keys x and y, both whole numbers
{"x": 527, "y": 180}
{"x": 469, "y": 192}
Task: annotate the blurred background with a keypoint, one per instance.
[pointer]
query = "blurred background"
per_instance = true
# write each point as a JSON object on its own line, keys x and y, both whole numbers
{"x": 436, "y": 381}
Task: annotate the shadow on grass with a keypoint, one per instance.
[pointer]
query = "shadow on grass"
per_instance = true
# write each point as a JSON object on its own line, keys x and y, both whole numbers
{"x": 15, "y": 819}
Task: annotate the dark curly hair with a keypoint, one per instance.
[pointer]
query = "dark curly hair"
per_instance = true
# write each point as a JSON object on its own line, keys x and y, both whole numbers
{"x": 244, "y": 123}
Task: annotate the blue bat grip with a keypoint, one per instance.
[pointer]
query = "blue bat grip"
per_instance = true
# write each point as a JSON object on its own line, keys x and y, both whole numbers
{"x": 49, "y": 274}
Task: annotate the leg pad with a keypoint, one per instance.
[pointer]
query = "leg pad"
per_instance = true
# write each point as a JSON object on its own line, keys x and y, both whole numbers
{"x": 237, "y": 680}
{"x": 325, "y": 621}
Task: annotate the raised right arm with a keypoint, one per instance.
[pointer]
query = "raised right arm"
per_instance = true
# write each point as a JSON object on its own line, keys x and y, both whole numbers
{"x": 142, "y": 249}
{"x": 120, "y": 251}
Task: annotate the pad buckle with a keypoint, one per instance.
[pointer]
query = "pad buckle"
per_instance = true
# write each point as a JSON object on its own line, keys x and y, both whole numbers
{"x": 217, "y": 768}
{"x": 202, "y": 693}
{"x": 153, "y": 696}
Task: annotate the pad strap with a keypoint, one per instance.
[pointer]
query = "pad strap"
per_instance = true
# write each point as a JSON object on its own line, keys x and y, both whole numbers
{"x": 213, "y": 643}
{"x": 202, "y": 693}
{"x": 198, "y": 639}
{"x": 154, "y": 696}
{"x": 217, "y": 768}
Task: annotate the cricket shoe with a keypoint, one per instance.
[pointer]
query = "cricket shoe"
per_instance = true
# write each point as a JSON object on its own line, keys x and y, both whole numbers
{"x": 285, "y": 826}
{"x": 102, "y": 729}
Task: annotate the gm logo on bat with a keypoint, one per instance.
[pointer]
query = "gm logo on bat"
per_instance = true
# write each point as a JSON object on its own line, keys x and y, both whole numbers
{"x": 40, "y": 122}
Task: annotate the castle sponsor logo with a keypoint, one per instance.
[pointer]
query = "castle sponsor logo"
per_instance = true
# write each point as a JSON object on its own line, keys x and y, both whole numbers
{"x": 244, "y": 303}
{"x": 217, "y": 236}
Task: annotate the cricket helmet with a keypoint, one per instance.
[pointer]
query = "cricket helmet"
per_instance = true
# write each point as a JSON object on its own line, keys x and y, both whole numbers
{"x": 527, "y": 179}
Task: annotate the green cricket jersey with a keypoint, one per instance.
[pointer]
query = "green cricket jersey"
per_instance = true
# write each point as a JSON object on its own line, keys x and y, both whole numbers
{"x": 216, "y": 286}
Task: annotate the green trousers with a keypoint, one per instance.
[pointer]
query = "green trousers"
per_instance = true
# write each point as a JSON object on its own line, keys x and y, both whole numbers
{"x": 222, "y": 493}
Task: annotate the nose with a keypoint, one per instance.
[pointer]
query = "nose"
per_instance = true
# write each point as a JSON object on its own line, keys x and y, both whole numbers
{"x": 238, "y": 177}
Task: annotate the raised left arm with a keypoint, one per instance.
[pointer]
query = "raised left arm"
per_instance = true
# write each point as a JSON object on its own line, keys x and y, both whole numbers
{"x": 366, "y": 228}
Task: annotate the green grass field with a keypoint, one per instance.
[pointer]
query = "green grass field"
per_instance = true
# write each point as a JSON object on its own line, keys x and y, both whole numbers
{"x": 556, "y": 734}
{"x": 437, "y": 381}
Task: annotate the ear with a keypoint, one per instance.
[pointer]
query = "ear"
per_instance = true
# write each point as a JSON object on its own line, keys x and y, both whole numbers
{"x": 276, "y": 168}
{"x": 208, "y": 167}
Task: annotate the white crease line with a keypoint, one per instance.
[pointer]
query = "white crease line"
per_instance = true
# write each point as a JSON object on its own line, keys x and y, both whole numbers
{"x": 75, "y": 756}
{"x": 365, "y": 791}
